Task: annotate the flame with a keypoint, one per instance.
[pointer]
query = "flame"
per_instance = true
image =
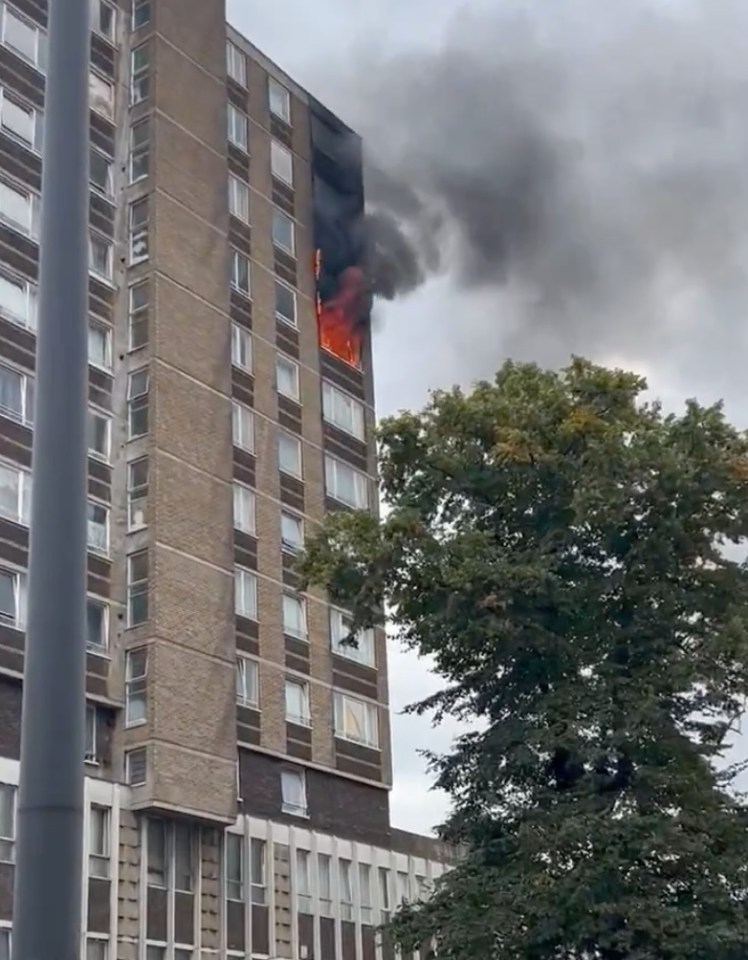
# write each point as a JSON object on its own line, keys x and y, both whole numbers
{"x": 339, "y": 318}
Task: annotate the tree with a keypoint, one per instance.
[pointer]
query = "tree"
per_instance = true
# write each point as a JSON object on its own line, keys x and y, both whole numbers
{"x": 557, "y": 545}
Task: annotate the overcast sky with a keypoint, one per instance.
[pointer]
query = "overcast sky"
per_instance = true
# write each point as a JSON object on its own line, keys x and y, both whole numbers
{"x": 439, "y": 335}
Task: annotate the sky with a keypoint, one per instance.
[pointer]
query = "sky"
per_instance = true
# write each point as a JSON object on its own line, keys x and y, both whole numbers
{"x": 670, "y": 206}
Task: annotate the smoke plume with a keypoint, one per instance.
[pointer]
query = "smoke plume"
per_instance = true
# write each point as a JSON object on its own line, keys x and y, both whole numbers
{"x": 584, "y": 165}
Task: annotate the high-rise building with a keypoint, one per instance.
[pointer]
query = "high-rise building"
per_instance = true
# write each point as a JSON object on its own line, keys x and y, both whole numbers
{"x": 238, "y": 750}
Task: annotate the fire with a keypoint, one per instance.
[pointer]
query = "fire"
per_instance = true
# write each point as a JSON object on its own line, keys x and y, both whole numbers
{"x": 340, "y": 318}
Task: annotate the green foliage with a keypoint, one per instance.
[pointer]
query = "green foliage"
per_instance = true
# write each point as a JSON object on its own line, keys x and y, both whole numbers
{"x": 557, "y": 545}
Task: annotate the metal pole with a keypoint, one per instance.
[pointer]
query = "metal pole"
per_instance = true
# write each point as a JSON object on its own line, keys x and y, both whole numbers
{"x": 48, "y": 885}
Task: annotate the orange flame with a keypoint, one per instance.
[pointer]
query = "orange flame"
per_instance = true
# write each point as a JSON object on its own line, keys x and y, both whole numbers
{"x": 339, "y": 318}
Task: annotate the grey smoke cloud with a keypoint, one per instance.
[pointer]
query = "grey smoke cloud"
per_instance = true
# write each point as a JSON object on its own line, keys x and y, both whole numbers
{"x": 585, "y": 162}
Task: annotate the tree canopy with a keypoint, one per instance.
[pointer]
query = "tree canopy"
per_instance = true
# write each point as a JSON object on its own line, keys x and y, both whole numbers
{"x": 560, "y": 547}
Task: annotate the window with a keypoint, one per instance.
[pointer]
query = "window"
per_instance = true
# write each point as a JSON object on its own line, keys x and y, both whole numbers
{"x": 19, "y": 208}
{"x": 240, "y": 273}
{"x": 137, "y": 588}
{"x": 136, "y": 767}
{"x": 384, "y": 894}
{"x": 12, "y": 598}
{"x": 104, "y": 19}
{"x": 97, "y": 625}
{"x": 157, "y": 863}
{"x": 324, "y": 884}
{"x": 239, "y": 198}
{"x": 244, "y": 508}
{"x": 15, "y": 494}
{"x": 7, "y": 822}
{"x": 243, "y": 426}
{"x": 20, "y": 121}
{"x": 99, "y": 345}
{"x": 99, "y": 435}
{"x": 247, "y": 682}
{"x": 241, "y": 347}
{"x": 141, "y": 13}
{"x": 364, "y": 890}
{"x": 303, "y": 882}
{"x": 285, "y": 303}
{"x": 287, "y": 378}
{"x": 183, "y": 953}
{"x": 139, "y": 231}
{"x": 95, "y": 949}
{"x": 293, "y": 792}
{"x": 22, "y": 36}
{"x": 236, "y": 64}
{"x": 100, "y": 173}
{"x": 342, "y": 410}
{"x": 98, "y": 842}
{"x": 89, "y": 750}
{"x": 139, "y": 74}
{"x": 283, "y": 232}
{"x": 138, "y": 316}
{"x": 346, "y": 484}
{"x": 294, "y": 616}
{"x": 297, "y": 703}
{"x": 340, "y": 630}
{"x": 258, "y": 870}
{"x": 281, "y": 162}
{"x": 356, "y": 720}
{"x": 16, "y": 395}
{"x": 289, "y": 454}
{"x": 292, "y": 532}
{"x": 403, "y": 886}
{"x": 140, "y": 150}
{"x": 184, "y": 858}
{"x": 345, "y": 883}
{"x": 238, "y": 127}
{"x": 137, "y": 494}
{"x": 18, "y": 299}
{"x": 279, "y": 100}
{"x": 101, "y": 95}
{"x": 245, "y": 593}
{"x": 98, "y": 527}
{"x": 137, "y": 404}
{"x": 100, "y": 256}
{"x": 235, "y": 867}
{"x": 136, "y": 687}
{"x": 155, "y": 951}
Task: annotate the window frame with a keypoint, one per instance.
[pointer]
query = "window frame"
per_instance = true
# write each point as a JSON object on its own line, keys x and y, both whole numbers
{"x": 284, "y": 113}
{"x": 29, "y": 227}
{"x": 138, "y": 232}
{"x": 28, "y": 291}
{"x": 238, "y": 198}
{"x": 336, "y": 464}
{"x": 137, "y": 494}
{"x": 238, "y": 261}
{"x": 111, "y": 36}
{"x": 289, "y": 321}
{"x": 246, "y": 580}
{"x": 302, "y": 717}
{"x": 99, "y": 860}
{"x": 136, "y": 687}
{"x": 371, "y": 738}
{"x": 34, "y": 144}
{"x": 280, "y": 217}
{"x": 243, "y": 427}
{"x": 284, "y": 435}
{"x": 96, "y": 326}
{"x": 23, "y": 493}
{"x": 101, "y": 94}
{"x": 18, "y": 585}
{"x": 95, "y": 238}
{"x": 140, "y": 76}
{"x": 9, "y": 831}
{"x": 237, "y": 121}
{"x": 137, "y": 588}
{"x": 289, "y": 807}
{"x": 138, "y": 402}
{"x": 292, "y": 546}
{"x": 93, "y": 546}
{"x": 300, "y": 603}
{"x": 139, "y": 151}
{"x": 129, "y": 755}
{"x": 137, "y": 6}
{"x": 103, "y": 647}
{"x": 247, "y": 682}
{"x": 241, "y": 342}
{"x": 365, "y": 653}
{"x": 281, "y": 163}
{"x": 293, "y": 367}
{"x": 241, "y": 490}
{"x": 37, "y": 60}
{"x": 332, "y": 395}
{"x": 107, "y": 191}
{"x": 137, "y": 314}
{"x": 235, "y": 886}
{"x": 235, "y": 55}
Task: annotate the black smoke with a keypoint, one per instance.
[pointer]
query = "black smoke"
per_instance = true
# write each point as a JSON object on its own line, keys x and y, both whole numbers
{"x": 586, "y": 162}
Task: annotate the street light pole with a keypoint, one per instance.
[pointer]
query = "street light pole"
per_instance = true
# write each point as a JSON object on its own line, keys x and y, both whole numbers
{"x": 48, "y": 885}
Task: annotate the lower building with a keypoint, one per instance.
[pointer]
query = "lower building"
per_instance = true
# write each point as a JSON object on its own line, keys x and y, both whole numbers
{"x": 174, "y": 889}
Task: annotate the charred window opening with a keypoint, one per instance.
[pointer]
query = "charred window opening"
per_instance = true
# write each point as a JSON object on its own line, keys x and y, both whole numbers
{"x": 343, "y": 295}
